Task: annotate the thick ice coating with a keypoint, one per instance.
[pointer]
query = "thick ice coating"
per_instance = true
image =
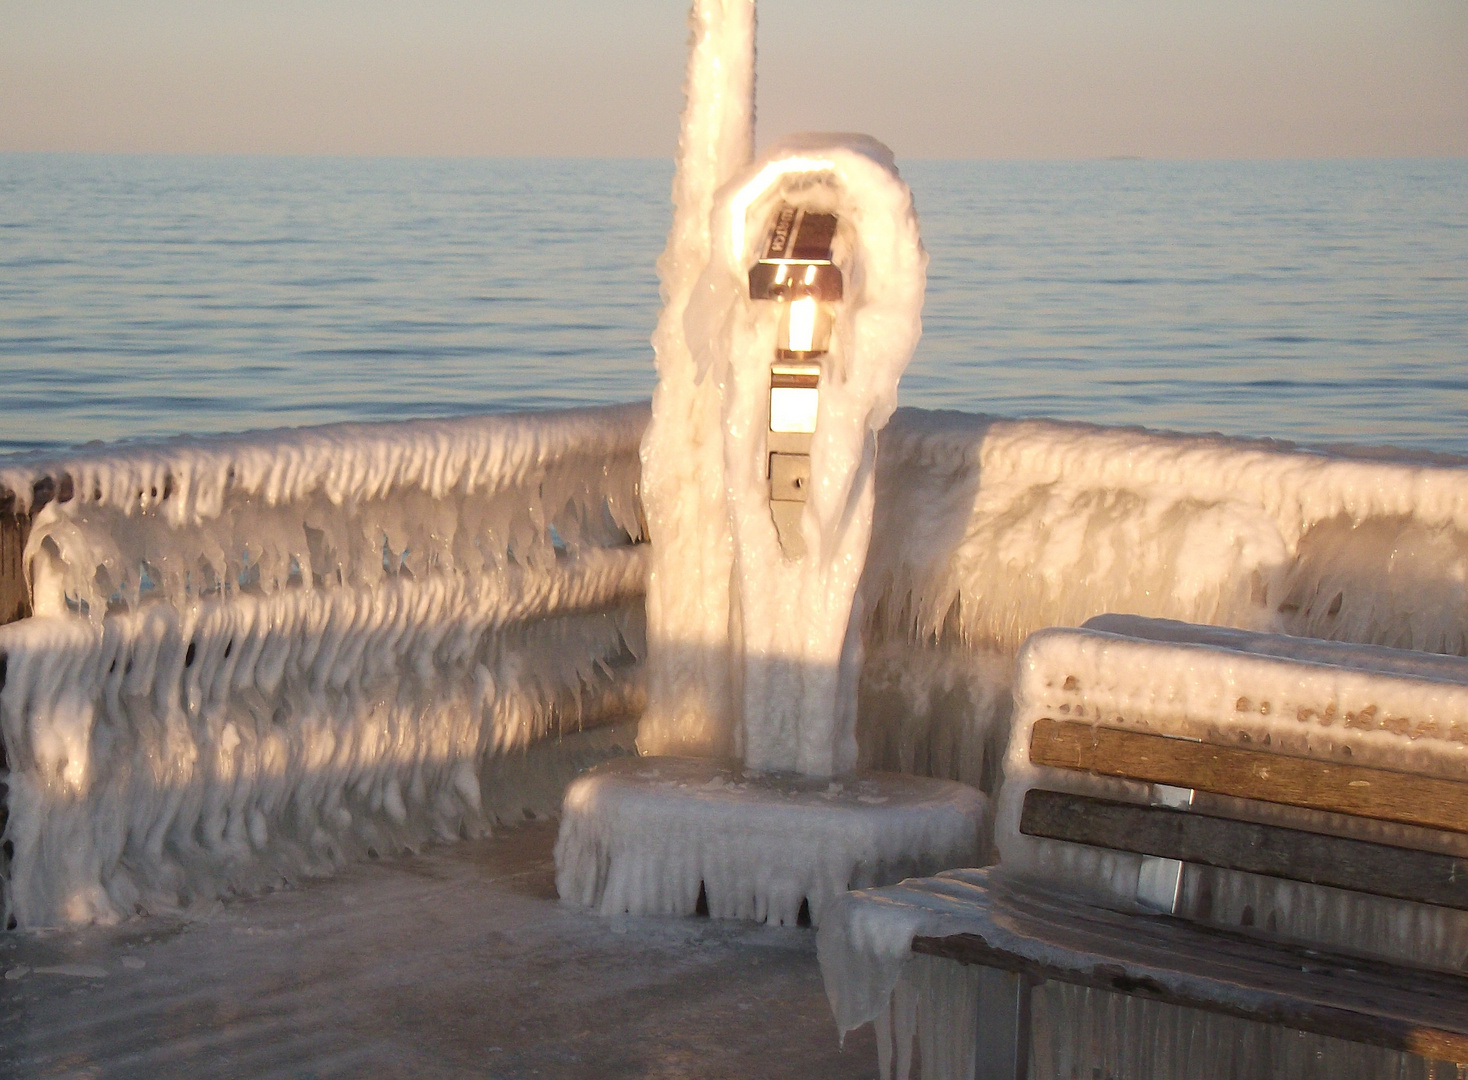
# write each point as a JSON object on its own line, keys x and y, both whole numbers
{"x": 797, "y": 642}
{"x": 796, "y": 645}
{"x": 690, "y": 707}
{"x": 987, "y": 530}
{"x": 966, "y": 554}
{"x": 1332, "y": 701}
{"x": 344, "y": 504}
{"x": 729, "y": 671}
{"x": 216, "y": 723}
{"x": 645, "y": 836}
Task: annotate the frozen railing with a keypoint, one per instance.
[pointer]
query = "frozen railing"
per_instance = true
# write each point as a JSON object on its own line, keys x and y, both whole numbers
{"x": 255, "y": 657}
{"x": 987, "y": 530}
{"x": 252, "y": 658}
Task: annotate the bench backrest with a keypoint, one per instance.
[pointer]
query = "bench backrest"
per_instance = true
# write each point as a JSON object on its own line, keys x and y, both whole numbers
{"x": 1307, "y": 789}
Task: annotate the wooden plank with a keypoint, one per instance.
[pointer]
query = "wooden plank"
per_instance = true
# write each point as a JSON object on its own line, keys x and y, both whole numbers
{"x": 15, "y": 596}
{"x": 1043, "y": 935}
{"x": 1272, "y": 850}
{"x": 1333, "y": 787}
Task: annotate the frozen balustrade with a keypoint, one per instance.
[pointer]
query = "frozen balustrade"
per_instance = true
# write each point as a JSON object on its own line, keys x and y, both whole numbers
{"x": 416, "y": 544}
{"x": 987, "y": 530}
{"x": 254, "y": 657}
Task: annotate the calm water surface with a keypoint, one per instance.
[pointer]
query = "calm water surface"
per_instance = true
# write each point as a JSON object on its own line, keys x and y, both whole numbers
{"x": 142, "y": 297}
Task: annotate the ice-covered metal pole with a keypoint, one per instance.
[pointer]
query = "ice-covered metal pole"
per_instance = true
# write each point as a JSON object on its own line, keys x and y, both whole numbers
{"x": 753, "y": 640}
{"x": 753, "y": 631}
{"x": 690, "y": 702}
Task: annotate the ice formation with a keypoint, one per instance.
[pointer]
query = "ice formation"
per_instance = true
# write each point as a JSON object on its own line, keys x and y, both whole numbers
{"x": 1371, "y": 550}
{"x": 1328, "y": 700}
{"x": 346, "y": 504}
{"x": 987, "y": 530}
{"x": 269, "y": 653}
{"x": 754, "y": 650}
{"x": 647, "y": 836}
{"x": 690, "y": 706}
{"x": 751, "y": 653}
{"x": 797, "y": 640}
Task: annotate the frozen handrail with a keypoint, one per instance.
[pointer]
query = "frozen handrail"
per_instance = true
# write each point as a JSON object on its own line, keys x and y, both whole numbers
{"x": 989, "y": 529}
{"x": 984, "y": 529}
{"x": 255, "y": 657}
{"x": 343, "y": 503}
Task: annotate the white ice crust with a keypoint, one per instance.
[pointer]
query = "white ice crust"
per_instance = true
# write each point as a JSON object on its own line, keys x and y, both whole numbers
{"x": 305, "y": 646}
{"x": 866, "y": 940}
{"x": 459, "y": 498}
{"x": 642, "y": 836}
{"x": 987, "y": 530}
{"x": 797, "y": 639}
{"x": 690, "y": 707}
{"x": 344, "y": 504}
{"x": 870, "y": 974}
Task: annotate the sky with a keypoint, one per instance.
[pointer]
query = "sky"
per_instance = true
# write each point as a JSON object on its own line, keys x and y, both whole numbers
{"x": 1005, "y": 79}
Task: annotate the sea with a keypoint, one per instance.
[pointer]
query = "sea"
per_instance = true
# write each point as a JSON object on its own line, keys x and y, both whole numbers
{"x": 143, "y": 297}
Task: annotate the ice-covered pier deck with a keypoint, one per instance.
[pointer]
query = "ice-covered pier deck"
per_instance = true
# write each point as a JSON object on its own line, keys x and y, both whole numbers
{"x": 455, "y": 962}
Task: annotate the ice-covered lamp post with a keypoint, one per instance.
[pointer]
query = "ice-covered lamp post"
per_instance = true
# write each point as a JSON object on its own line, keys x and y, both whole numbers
{"x": 793, "y": 288}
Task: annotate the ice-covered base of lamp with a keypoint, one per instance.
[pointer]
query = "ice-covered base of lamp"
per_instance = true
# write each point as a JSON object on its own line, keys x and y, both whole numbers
{"x": 647, "y": 835}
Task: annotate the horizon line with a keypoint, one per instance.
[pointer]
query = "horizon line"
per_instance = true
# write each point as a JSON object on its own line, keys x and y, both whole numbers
{"x": 350, "y": 156}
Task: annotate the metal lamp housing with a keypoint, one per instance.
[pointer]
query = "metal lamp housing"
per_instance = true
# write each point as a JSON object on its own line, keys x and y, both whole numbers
{"x": 797, "y": 272}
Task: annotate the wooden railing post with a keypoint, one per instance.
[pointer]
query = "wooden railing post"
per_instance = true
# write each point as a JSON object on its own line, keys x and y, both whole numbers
{"x": 15, "y": 530}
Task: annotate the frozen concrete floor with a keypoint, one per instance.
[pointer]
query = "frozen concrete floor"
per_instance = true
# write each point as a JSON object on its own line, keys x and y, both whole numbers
{"x": 458, "y": 962}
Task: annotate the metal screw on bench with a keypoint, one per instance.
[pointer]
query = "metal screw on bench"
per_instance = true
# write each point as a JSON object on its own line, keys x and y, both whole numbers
{"x": 797, "y": 272}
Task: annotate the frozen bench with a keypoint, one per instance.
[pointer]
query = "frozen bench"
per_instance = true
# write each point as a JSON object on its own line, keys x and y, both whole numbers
{"x": 1211, "y": 842}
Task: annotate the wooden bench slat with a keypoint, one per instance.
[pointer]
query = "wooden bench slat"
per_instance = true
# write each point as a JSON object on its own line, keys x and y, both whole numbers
{"x": 1272, "y": 850}
{"x": 1362, "y": 791}
{"x": 1043, "y": 935}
